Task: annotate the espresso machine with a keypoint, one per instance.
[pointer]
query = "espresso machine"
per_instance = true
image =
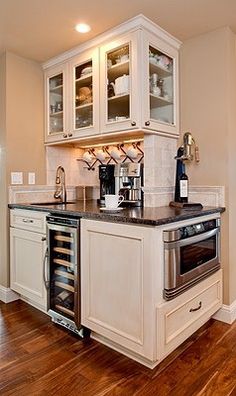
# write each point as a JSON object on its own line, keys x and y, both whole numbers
{"x": 107, "y": 181}
{"x": 129, "y": 182}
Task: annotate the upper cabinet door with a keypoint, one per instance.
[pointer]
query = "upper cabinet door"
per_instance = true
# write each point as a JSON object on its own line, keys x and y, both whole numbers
{"x": 118, "y": 84}
{"x": 84, "y": 101}
{"x": 56, "y": 103}
{"x": 160, "y": 85}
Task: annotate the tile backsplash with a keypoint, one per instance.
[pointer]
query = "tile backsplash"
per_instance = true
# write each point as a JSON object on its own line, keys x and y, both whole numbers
{"x": 76, "y": 171}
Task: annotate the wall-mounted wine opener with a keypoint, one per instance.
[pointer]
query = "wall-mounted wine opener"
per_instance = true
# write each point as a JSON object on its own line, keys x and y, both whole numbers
{"x": 188, "y": 144}
{"x": 184, "y": 154}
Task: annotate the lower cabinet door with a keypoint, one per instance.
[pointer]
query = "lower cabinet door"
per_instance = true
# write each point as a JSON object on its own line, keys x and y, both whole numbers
{"x": 116, "y": 278}
{"x": 27, "y": 250}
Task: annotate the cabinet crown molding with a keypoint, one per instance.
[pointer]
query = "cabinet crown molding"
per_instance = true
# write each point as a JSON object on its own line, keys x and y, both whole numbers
{"x": 138, "y": 22}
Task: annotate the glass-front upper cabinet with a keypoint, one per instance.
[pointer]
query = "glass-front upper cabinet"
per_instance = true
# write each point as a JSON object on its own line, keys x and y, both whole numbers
{"x": 118, "y": 73}
{"x": 161, "y": 86}
{"x": 55, "y": 81}
{"x": 85, "y": 97}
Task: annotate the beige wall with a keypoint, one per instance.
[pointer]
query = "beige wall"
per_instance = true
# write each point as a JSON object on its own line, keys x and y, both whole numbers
{"x": 21, "y": 135}
{"x": 208, "y": 101}
{"x": 24, "y": 112}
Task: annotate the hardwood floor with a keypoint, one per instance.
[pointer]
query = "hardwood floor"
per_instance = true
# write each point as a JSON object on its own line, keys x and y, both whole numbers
{"x": 40, "y": 358}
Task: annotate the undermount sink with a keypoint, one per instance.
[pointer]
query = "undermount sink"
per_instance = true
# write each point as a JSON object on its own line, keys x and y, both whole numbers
{"x": 52, "y": 203}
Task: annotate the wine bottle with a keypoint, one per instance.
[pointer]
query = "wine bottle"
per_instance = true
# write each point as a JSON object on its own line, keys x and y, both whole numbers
{"x": 183, "y": 187}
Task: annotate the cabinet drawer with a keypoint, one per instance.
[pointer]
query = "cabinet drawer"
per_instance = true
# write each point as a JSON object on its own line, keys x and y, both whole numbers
{"x": 179, "y": 318}
{"x": 28, "y": 220}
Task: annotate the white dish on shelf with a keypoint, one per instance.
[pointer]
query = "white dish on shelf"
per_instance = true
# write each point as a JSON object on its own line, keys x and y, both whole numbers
{"x": 111, "y": 210}
{"x": 86, "y": 70}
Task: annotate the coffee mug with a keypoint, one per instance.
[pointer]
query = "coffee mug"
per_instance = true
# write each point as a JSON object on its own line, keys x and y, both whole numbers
{"x": 112, "y": 201}
{"x": 115, "y": 153}
{"x": 132, "y": 152}
{"x": 87, "y": 156}
{"x": 100, "y": 155}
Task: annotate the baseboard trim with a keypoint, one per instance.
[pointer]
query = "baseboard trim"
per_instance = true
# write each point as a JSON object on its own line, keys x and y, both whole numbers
{"x": 227, "y": 313}
{"x": 7, "y": 295}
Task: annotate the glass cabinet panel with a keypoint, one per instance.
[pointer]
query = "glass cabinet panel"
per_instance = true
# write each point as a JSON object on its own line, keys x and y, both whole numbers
{"x": 161, "y": 92}
{"x": 118, "y": 84}
{"x": 83, "y": 98}
{"x": 56, "y": 105}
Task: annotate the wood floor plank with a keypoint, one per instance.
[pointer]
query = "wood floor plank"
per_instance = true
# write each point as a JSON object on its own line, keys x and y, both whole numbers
{"x": 40, "y": 358}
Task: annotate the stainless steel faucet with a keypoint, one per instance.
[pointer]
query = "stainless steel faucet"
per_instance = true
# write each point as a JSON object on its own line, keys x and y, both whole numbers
{"x": 60, "y": 192}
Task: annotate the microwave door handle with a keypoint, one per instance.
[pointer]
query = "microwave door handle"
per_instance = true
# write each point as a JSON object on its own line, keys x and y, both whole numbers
{"x": 193, "y": 239}
{"x": 45, "y": 269}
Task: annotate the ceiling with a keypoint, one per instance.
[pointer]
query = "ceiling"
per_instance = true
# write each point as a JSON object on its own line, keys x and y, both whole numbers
{"x": 41, "y": 29}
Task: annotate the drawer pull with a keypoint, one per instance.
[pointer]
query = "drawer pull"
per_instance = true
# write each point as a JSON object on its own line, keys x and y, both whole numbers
{"x": 196, "y": 309}
{"x": 28, "y": 221}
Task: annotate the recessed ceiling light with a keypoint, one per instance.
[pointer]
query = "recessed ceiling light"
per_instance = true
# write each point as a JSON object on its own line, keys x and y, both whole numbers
{"x": 82, "y": 28}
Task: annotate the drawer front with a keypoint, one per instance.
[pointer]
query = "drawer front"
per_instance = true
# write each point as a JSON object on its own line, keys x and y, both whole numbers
{"x": 179, "y": 318}
{"x": 28, "y": 220}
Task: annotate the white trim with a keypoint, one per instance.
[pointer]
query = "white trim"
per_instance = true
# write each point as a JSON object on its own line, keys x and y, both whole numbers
{"x": 34, "y": 304}
{"x": 227, "y": 313}
{"x": 7, "y": 295}
{"x": 135, "y": 23}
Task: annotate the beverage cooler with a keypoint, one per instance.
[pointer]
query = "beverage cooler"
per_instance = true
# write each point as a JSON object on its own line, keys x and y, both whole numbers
{"x": 62, "y": 272}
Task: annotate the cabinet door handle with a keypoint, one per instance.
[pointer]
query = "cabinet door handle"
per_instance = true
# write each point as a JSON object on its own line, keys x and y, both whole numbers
{"x": 133, "y": 123}
{"x": 147, "y": 123}
{"x": 45, "y": 270}
{"x": 64, "y": 135}
{"x": 27, "y": 221}
{"x": 70, "y": 134}
{"x": 43, "y": 239}
{"x": 196, "y": 309}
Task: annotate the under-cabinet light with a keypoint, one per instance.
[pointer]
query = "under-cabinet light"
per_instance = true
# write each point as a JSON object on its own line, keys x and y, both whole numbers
{"x": 109, "y": 143}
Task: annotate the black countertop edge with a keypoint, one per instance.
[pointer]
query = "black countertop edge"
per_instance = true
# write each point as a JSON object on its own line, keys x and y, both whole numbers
{"x": 155, "y": 216}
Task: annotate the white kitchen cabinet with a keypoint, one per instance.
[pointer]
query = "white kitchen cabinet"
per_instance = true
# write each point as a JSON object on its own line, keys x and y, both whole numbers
{"x": 116, "y": 284}
{"x": 119, "y": 85}
{"x": 160, "y": 86}
{"x": 179, "y": 318}
{"x": 27, "y": 251}
{"x": 56, "y": 102}
{"x": 125, "y": 80}
{"x": 122, "y": 280}
{"x": 84, "y": 101}
{"x": 139, "y": 85}
{"x": 72, "y": 98}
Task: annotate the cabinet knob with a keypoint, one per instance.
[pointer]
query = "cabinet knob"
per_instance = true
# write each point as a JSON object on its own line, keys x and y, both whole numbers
{"x": 43, "y": 239}
{"x": 64, "y": 135}
{"x": 70, "y": 134}
{"x": 147, "y": 123}
{"x": 133, "y": 123}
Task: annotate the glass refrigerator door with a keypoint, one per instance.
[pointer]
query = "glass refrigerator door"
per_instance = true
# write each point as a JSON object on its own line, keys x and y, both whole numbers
{"x": 56, "y": 105}
{"x": 63, "y": 272}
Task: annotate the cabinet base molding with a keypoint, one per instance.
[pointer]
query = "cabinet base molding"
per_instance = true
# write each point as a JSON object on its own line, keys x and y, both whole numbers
{"x": 7, "y": 295}
{"x": 227, "y": 313}
{"x": 124, "y": 351}
{"x": 33, "y": 304}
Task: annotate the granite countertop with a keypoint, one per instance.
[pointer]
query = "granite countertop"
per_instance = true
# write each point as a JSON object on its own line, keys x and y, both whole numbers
{"x": 144, "y": 216}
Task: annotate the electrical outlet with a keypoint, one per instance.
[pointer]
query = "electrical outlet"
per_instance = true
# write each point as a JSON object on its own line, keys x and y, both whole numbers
{"x": 31, "y": 178}
{"x": 16, "y": 178}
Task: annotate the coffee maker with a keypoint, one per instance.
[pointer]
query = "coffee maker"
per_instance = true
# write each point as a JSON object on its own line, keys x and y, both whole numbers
{"x": 129, "y": 182}
{"x": 107, "y": 181}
